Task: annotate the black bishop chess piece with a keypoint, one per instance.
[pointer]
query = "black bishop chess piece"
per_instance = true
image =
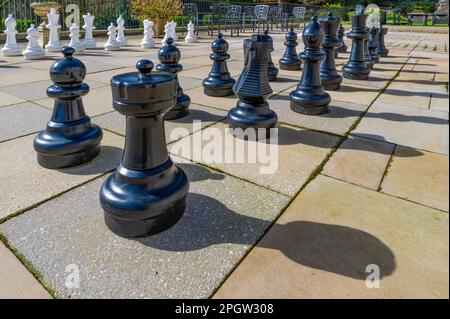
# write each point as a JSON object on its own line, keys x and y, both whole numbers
{"x": 169, "y": 56}
{"x": 147, "y": 193}
{"x": 272, "y": 71}
{"x": 331, "y": 79}
{"x": 373, "y": 44}
{"x": 70, "y": 138}
{"x": 219, "y": 81}
{"x": 310, "y": 97}
{"x": 290, "y": 60}
{"x": 382, "y": 50}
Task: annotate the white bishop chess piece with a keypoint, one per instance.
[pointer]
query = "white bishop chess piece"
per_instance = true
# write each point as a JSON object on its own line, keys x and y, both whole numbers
{"x": 121, "y": 31}
{"x": 89, "y": 41}
{"x": 75, "y": 39}
{"x": 54, "y": 45}
{"x": 112, "y": 44}
{"x": 148, "y": 41}
{"x": 34, "y": 50}
{"x": 191, "y": 37}
{"x": 11, "y": 48}
{"x": 167, "y": 33}
{"x": 173, "y": 31}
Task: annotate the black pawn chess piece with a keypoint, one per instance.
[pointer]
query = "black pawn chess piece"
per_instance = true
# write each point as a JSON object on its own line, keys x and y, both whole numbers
{"x": 290, "y": 60}
{"x": 373, "y": 44}
{"x": 341, "y": 36}
{"x": 219, "y": 81}
{"x": 169, "y": 56}
{"x": 331, "y": 79}
{"x": 69, "y": 139}
{"x": 253, "y": 88}
{"x": 382, "y": 50}
{"x": 309, "y": 97}
{"x": 367, "y": 56}
{"x": 147, "y": 193}
{"x": 272, "y": 71}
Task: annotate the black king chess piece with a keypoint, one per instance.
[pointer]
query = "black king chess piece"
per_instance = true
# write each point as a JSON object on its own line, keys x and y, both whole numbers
{"x": 253, "y": 88}
{"x": 147, "y": 193}
{"x": 169, "y": 56}
{"x": 382, "y": 50}
{"x": 309, "y": 97}
{"x": 357, "y": 68}
{"x": 219, "y": 81}
{"x": 373, "y": 44}
{"x": 272, "y": 71}
{"x": 69, "y": 139}
{"x": 290, "y": 60}
{"x": 331, "y": 79}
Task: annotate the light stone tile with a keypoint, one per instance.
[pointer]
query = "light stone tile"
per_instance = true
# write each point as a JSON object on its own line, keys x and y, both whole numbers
{"x": 355, "y": 94}
{"x": 105, "y": 77}
{"x": 405, "y": 99}
{"x": 6, "y": 99}
{"x": 440, "y": 103}
{"x": 189, "y": 83}
{"x": 202, "y": 73}
{"x": 22, "y": 76}
{"x": 198, "y": 96}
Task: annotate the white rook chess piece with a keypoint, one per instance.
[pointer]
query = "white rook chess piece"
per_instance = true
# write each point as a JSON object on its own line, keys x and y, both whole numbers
{"x": 121, "y": 31}
{"x": 191, "y": 37}
{"x": 53, "y": 39}
{"x": 89, "y": 41}
{"x": 75, "y": 38}
{"x": 148, "y": 41}
{"x": 11, "y": 48}
{"x": 112, "y": 44}
{"x": 34, "y": 50}
{"x": 167, "y": 33}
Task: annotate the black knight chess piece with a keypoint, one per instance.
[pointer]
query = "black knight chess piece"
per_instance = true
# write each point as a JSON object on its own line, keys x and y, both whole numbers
{"x": 272, "y": 71}
{"x": 290, "y": 60}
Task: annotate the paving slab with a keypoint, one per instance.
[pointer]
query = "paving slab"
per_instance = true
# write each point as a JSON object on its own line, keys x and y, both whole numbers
{"x": 322, "y": 244}
{"x": 439, "y": 103}
{"x": 198, "y": 96}
{"x": 7, "y": 99}
{"x": 355, "y": 94}
{"x": 21, "y": 76}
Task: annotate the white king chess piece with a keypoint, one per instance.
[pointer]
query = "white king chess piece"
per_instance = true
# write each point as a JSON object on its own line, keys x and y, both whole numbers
{"x": 191, "y": 37}
{"x": 34, "y": 50}
{"x": 167, "y": 33}
{"x": 54, "y": 45}
{"x": 11, "y": 48}
{"x": 75, "y": 38}
{"x": 89, "y": 41}
{"x": 148, "y": 41}
{"x": 112, "y": 44}
{"x": 121, "y": 31}
{"x": 173, "y": 31}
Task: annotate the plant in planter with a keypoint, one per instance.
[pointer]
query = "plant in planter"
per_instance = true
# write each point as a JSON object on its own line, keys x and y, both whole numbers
{"x": 160, "y": 11}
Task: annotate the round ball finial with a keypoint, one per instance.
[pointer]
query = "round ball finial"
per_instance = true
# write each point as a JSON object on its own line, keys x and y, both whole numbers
{"x": 220, "y": 35}
{"x": 266, "y": 32}
{"x": 68, "y": 52}
{"x": 330, "y": 14}
{"x": 169, "y": 41}
{"x": 145, "y": 67}
{"x": 315, "y": 18}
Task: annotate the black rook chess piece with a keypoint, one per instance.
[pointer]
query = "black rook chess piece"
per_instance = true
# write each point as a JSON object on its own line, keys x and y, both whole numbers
{"x": 272, "y": 71}
{"x": 169, "y": 56}
{"x": 382, "y": 50}
{"x": 290, "y": 60}
{"x": 341, "y": 36}
{"x": 70, "y": 139}
{"x": 253, "y": 88}
{"x": 147, "y": 193}
{"x": 331, "y": 80}
{"x": 373, "y": 44}
{"x": 309, "y": 97}
{"x": 219, "y": 81}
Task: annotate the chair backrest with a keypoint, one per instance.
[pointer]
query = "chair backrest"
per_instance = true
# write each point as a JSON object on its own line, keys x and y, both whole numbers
{"x": 234, "y": 11}
{"x": 299, "y": 12}
{"x": 190, "y": 10}
{"x": 249, "y": 10}
{"x": 262, "y": 11}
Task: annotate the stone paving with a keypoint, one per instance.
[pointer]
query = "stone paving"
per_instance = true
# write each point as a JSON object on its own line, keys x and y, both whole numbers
{"x": 366, "y": 184}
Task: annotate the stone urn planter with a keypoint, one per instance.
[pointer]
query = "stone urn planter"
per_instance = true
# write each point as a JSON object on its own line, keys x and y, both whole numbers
{"x": 41, "y": 9}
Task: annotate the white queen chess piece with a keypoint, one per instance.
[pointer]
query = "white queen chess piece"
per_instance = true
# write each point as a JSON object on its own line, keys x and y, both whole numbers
{"x": 89, "y": 41}
{"x": 191, "y": 37}
{"x": 112, "y": 44}
{"x": 11, "y": 48}
{"x": 34, "y": 50}
{"x": 54, "y": 45}
{"x": 148, "y": 41}
{"x": 75, "y": 39}
{"x": 121, "y": 31}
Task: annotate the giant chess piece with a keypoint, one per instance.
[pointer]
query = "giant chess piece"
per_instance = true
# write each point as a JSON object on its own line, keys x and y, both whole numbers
{"x": 112, "y": 44}
{"x": 367, "y": 56}
{"x": 75, "y": 39}
{"x": 331, "y": 79}
{"x": 11, "y": 48}
{"x": 373, "y": 44}
{"x": 341, "y": 36}
{"x": 357, "y": 68}
{"x": 70, "y": 139}
{"x": 219, "y": 81}
{"x": 190, "y": 37}
{"x": 121, "y": 39}
{"x": 34, "y": 50}
{"x": 253, "y": 88}
{"x": 167, "y": 34}
{"x": 148, "y": 41}
{"x": 382, "y": 50}
{"x": 309, "y": 97}
{"x": 169, "y": 56}
{"x": 147, "y": 193}
{"x": 173, "y": 31}
{"x": 272, "y": 71}
{"x": 290, "y": 60}
{"x": 53, "y": 45}
{"x": 89, "y": 41}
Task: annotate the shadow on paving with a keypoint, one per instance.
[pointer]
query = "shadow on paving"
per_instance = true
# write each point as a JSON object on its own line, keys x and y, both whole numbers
{"x": 198, "y": 115}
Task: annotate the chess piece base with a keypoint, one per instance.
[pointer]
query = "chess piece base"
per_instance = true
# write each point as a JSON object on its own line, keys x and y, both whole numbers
{"x": 90, "y": 44}
{"x": 272, "y": 75}
{"x": 112, "y": 47}
{"x": 246, "y": 115}
{"x": 291, "y": 65}
{"x": 34, "y": 55}
{"x": 11, "y": 51}
{"x": 383, "y": 52}
{"x": 148, "y": 45}
{"x": 331, "y": 81}
{"x": 356, "y": 72}
{"x": 54, "y": 47}
{"x": 218, "y": 88}
{"x": 190, "y": 40}
{"x": 310, "y": 102}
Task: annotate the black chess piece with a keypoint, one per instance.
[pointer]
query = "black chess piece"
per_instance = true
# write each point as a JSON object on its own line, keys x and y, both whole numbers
{"x": 331, "y": 79}
{"x": 367, "y": 56}
{"x": 290, "y": 60}
{"x": 147, "y": 193}
{"x": 169, "y": 56}
{"x": 341, "y": 36}
{"x": 69, "y": 139}
{"x": 219, "y": 81}
{"x": 382, "y": 50}
{"x": 272, "y": 71}
{"x": 373, "y": 44}
{"x": 253, "y": 88}
{"x": 309, "y": 97}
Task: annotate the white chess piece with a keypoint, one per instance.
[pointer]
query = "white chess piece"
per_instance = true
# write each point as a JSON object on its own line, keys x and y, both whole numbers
{"x": 191, "y": 37}
{"x": 112, "y": 44}
{"x": 121, "y": 31}
{"x": 75, "y": 38}
{"x": 173, "y": 31}
{"x": 89, "y": 41}
{"x": 148, "y": 41}
{"x": 54, "y": 45}
{"x": 167, "y": 33}
{"x": 34, "y": 50}
{"x": 11, "y": 48}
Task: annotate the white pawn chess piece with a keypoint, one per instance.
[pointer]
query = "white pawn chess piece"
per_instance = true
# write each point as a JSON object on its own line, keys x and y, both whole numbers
{"x": 75, "y": 39}
{"x": 112, "y": 44}
{"x": 11, "y": 48}
{"x": 89, "y": 41}
{"x": 167, "y": 33}
{"x": 191, "y": 37}
{"x": 148, "y": 41}
{"x": 121, "y": 31}
{"x": 54, "y": 45}
{"x": 34, "y": 50}
{"x": 173, "y": 30}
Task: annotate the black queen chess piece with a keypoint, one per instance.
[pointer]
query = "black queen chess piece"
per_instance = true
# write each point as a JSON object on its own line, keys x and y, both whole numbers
{"x": 219, "y": 81}
{"x": 310, "y": 97}
{"x": 272, "y": 71}
{"x": 147, "y": 193}
{"x": 290, "y": 60}
{"x": 331, "y": 79}
{"x": 382, "y": 50}
{"x": 169, "y": 56}
{"x": 70, "y": 138}
{"x": 373, "y": 44}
